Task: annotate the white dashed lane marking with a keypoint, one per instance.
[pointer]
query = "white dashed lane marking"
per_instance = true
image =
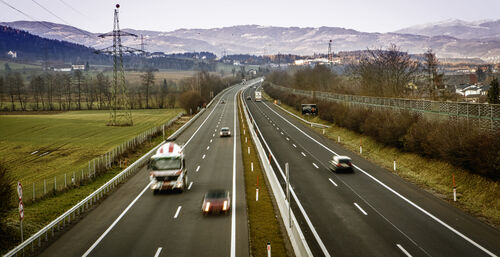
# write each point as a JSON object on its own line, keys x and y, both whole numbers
{"x": 198, "y": 168}
{"x": 303, "y": 154}
{"x": 335, "y": 184}
{"x": 177, "y": 212}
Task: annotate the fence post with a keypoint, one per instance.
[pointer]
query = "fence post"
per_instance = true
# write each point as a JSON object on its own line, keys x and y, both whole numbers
{"x": 55, "y": 183}
{"x": 65, "y": 184}
{"x": 34, "y": 191}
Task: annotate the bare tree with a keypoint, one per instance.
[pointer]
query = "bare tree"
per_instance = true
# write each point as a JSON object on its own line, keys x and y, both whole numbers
{"x": 20, "y": 90}
{"x": 386, "y": 72}
{"x": 434, "y": 78}
{"x": 49, "y": 86}
{"x": 148, "y": 80}
{"x": 103, "y": 85}
{"x": 2, "y": 86}
{"x": 78, "y": 80}
{"x": 37, "y": 86}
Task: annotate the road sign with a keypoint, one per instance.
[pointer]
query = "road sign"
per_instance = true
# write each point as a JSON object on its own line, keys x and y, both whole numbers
{"x": 21, "y": 210}
{"x": 19, "y": 191}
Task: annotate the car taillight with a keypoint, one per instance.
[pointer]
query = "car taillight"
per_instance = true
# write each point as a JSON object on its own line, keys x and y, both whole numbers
{"x": 350, "y": 164}
{"x": 338, "y": 164}
{"x": 207, "y": 207}
{"x": 224, "y": 206}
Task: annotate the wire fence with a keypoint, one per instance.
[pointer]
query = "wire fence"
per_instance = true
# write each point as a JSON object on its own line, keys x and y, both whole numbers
{"x": 87, "y": 173}
{"x": 484, "y": 116}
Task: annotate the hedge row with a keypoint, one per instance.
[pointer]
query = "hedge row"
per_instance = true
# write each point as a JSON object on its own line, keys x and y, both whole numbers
{"x": 455, "y": 142}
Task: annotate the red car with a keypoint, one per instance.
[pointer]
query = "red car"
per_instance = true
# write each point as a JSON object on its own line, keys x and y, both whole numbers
{"x": 216, "y": 201}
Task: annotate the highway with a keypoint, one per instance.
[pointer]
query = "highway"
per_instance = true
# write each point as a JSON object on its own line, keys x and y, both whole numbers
{"x": 134, "y": 222}
{"x": 370, "y": 212}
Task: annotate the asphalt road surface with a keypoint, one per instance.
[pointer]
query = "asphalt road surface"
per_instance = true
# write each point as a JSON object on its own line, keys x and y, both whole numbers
{"x": 370, "y": 212}
{"x": 134, "y": 222}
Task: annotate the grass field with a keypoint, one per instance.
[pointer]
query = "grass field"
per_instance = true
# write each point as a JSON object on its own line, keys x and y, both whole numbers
{"x": 476, "y": 195}
{"x": 70, "y": 138}
{"x": 263, "y": 222}
{"x": 40, "y": 213}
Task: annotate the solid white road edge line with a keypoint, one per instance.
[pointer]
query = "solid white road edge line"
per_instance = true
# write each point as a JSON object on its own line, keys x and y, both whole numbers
{"x": 361, "y": 209}
{"x": 403, "y": 250}
{"x": 335, "y": 184}
{"x": 395, "y": 192}
{"x": 116, "y": 221}
{"x": 177, "y": 212}
{"x": 158, "y": 252}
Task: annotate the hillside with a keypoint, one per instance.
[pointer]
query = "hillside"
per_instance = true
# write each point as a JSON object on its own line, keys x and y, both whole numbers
{"x": 259, "y": 40}
{"x": 31, "y": 47}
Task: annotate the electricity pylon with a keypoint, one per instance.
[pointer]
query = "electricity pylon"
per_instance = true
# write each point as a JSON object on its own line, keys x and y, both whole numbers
{"x": 120, "y": 112}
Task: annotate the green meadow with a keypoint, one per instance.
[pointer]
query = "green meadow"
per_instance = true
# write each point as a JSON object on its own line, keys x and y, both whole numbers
{"x": 42, "y": 146}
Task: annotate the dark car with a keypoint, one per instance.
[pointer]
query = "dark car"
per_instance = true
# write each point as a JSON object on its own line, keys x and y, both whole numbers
{"x": 249, "y": 98}
{"x": 311, "y": 109}
{"x": 216, "y": 201}
{"x": 341, "y": 163}
{"x": 222, "y": 101}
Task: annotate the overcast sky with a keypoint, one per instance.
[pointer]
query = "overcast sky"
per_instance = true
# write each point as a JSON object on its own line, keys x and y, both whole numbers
{"x": 167, "y": 15}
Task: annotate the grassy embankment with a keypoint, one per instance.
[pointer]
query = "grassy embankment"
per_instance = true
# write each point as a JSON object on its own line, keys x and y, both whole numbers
{"x": 40, "y": 213}
{"x": 263, "y": 224}
{"x": 71, "y": 140}
{"x": 476, "y": 195}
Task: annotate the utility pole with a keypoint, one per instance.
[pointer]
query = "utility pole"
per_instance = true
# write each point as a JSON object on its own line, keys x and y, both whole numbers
{"x": 330, "y": 54}
{"x": 120, "y": 113}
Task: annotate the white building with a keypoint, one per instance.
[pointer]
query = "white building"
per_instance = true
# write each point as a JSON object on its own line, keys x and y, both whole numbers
{"x": 12, "y": 54}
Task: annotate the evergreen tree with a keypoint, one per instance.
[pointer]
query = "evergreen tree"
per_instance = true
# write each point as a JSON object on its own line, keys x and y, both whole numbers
{"x": 493, "y": 93}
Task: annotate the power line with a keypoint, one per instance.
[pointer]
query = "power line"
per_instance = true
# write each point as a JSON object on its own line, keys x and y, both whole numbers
{"x": 23, "y": 13}
{"x": 53, "y": 14}
{"x": 72, "y": 8}
{"x": 65, "y": 22}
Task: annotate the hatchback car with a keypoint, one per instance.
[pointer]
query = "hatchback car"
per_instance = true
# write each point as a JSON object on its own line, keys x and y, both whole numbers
{"x": 341, "y": 163}
{"x": 225, "y": 132}
{"x": 216, "y": 201}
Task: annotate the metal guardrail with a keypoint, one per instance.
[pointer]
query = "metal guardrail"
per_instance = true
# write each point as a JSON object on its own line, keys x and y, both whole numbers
{"x": 89, "y": 201}
{"x": 485, "y": 115}
{"x": 296, "y": 236}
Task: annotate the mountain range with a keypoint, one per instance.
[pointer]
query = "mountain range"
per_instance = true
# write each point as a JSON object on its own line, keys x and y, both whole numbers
{"x": 448, "y": 39}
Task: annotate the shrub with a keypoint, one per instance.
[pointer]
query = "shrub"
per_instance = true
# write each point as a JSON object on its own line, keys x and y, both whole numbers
{"x": 190, "y": 101}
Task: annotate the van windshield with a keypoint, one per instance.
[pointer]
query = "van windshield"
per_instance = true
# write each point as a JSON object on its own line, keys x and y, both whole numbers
{"x": 166, "y": 163}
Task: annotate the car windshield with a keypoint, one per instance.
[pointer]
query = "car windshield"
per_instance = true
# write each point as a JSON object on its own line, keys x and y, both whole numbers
{"x": 166, "y": 163}
{"x": 225, "y": 129}
{"x": 344, "y": 161}
{"x": 216, "y": 194}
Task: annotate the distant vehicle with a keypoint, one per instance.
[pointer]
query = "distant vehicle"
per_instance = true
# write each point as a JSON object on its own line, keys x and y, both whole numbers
{"x": 168, "y": 168}
{"x": 311, "y": 109}
{"x": 249, "y": 98}
{"x": 341, "y": 163}
{"x": 258, "y": 96}
{"x": 216, "y": 201}
{"x": 222, "y": 101}
{"x": 244, "y": 81}
{"x": 225, "y": 132}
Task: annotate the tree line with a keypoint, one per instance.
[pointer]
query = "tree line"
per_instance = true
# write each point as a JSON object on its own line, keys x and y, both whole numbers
{"x": 79, "y": 90}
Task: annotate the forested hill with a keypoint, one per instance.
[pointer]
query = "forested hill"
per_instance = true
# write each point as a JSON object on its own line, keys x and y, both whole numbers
{"x": 30, "y": 47}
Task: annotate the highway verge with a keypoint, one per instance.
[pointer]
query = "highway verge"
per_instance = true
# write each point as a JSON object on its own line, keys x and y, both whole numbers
{"x": 474, "y": 194}
{"x": 264, "y": 226}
